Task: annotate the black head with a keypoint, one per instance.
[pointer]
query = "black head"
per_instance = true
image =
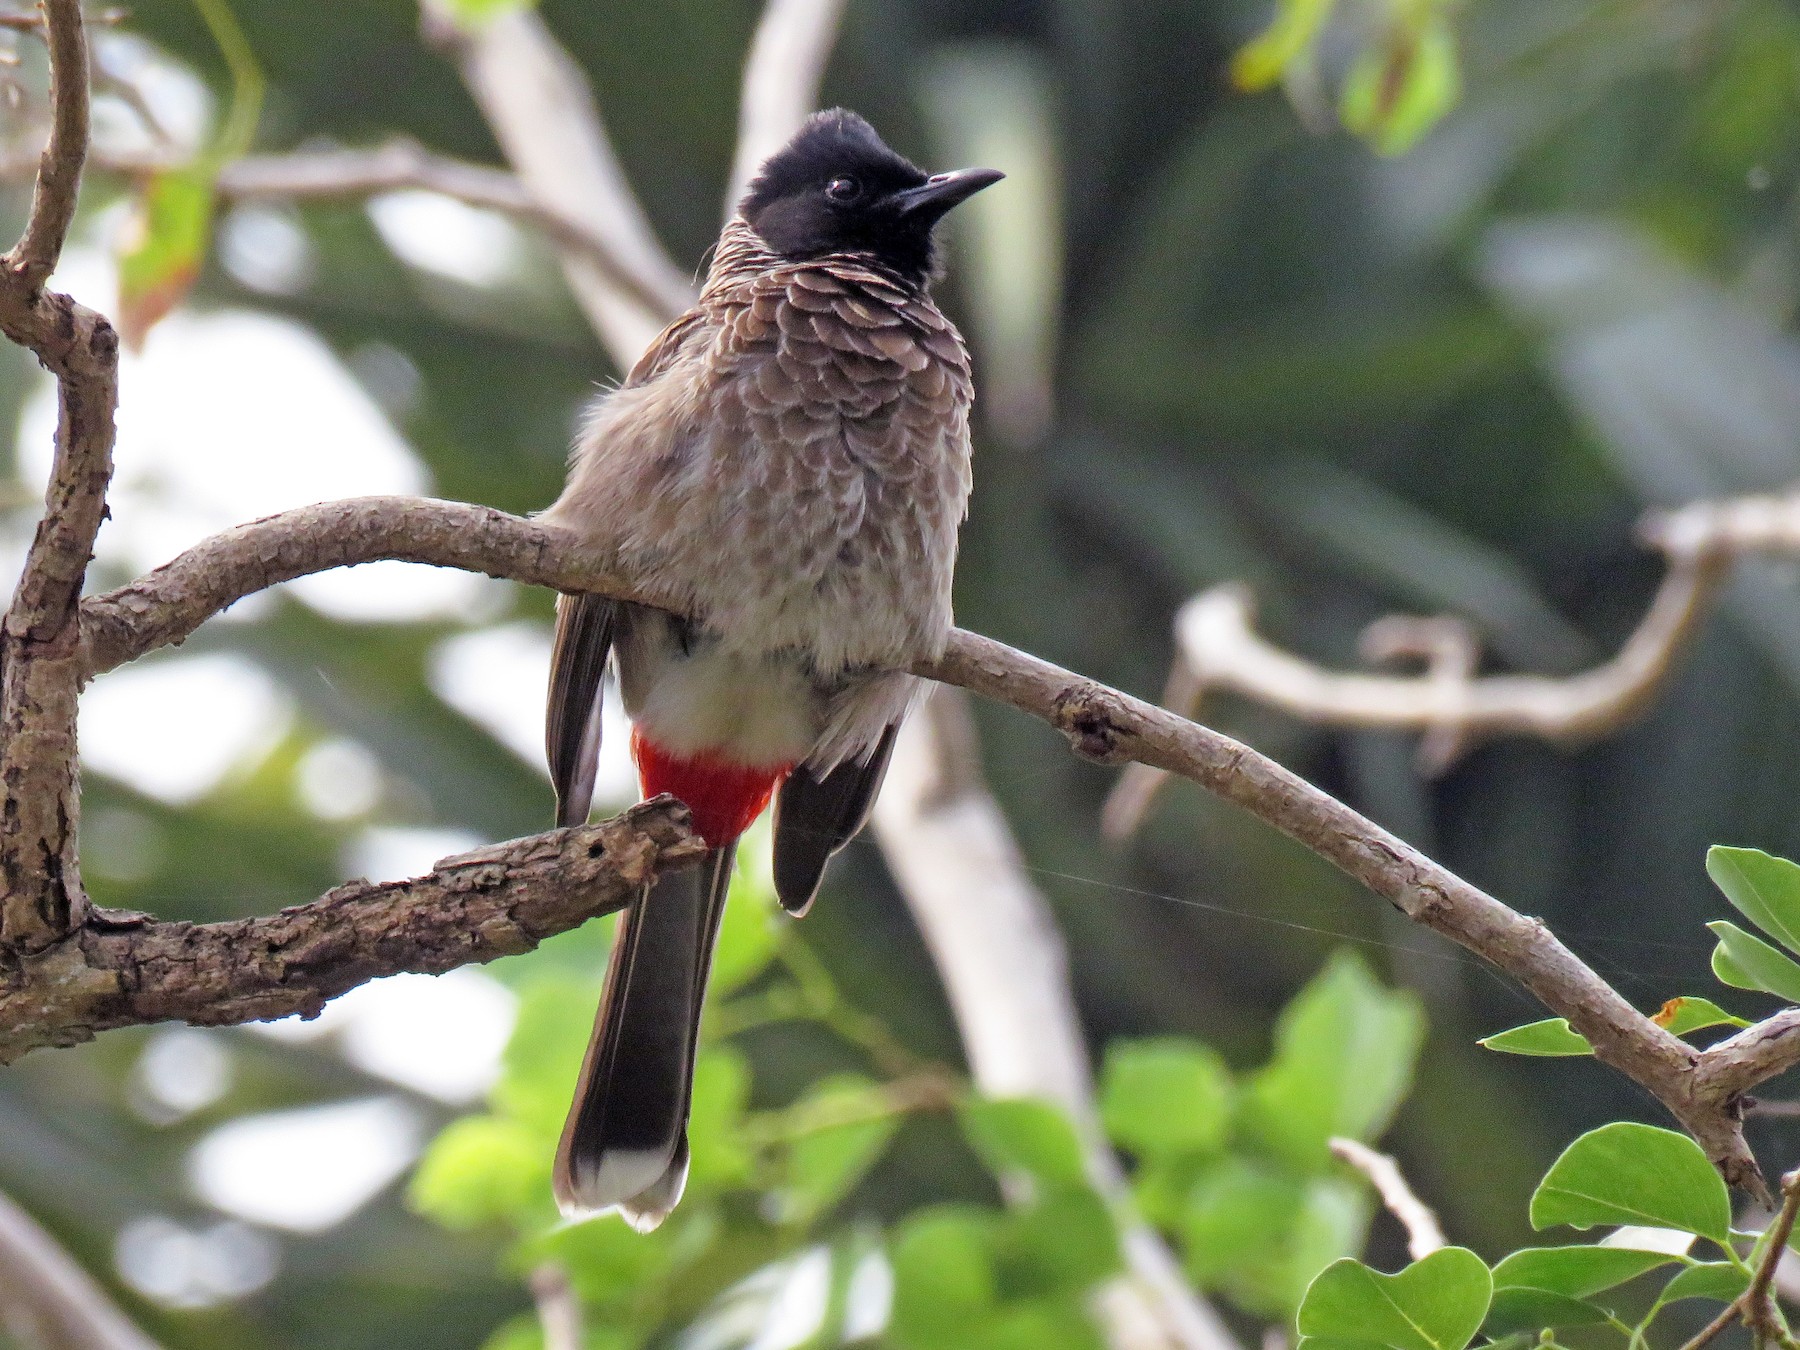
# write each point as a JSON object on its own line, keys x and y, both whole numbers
{"x": 836, "y": 188}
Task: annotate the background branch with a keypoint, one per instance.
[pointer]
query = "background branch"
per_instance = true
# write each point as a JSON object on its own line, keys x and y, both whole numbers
{"x": 1219, "y": 651}
{"x": 542, "y": 112}
{"x": 787, "y": 61}
{"x": 48, "y": 1301}
{"x": 1424, "y": 1235}
{"x": 946, "y": 841}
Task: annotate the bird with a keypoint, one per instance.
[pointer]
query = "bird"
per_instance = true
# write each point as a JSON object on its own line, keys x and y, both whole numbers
{"x": 786, "y": 467}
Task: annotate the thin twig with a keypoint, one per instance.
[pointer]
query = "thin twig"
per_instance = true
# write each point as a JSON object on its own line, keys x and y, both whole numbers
{"x": 787, "y": 61}
{"x": 1424, "y": 1235}
{"x": 1754, "y": 1307}
{"x": 33, "y": 258}
{"x": 324, "y": 175}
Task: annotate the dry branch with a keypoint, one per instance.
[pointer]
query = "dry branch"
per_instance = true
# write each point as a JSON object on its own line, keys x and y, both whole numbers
{"x": 129, "y": 970}
{"x": 1701, "y": 1089}
{"x": 1219, "y": 651}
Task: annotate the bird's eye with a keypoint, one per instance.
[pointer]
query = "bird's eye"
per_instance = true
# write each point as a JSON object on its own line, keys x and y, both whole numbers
{"x": 843, "y": 190}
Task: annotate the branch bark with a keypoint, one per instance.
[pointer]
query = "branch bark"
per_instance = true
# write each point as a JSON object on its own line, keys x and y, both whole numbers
{"x": 129, "y": 969}
{"x": 41, "y": 895}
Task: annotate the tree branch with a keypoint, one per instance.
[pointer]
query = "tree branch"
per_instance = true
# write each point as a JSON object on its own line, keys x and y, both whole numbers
{"x": 946, "y": 839}
{"x": 47, "y": 1300}
{"x": 40, "y": 885}
{"x": 1424, "y": 1235}
{"x": 1100, "y": 723}
{"x": 312, "y": 175}
{"x": 542, "y": 112}
{"x": 129, "y": 969}
{"x": 787, "y": 61}
{"x": 1218, "y": 650}
{"x": 32, "y": 260}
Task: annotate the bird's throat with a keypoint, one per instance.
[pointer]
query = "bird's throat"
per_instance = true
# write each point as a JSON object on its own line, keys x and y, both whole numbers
{"x": 724, "y": 797}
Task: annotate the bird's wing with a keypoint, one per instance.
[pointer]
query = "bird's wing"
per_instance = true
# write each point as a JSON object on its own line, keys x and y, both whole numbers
{"x": 665, "y": 347}
{"x": 815, "y": 817}
{"x": 584, "y": 636}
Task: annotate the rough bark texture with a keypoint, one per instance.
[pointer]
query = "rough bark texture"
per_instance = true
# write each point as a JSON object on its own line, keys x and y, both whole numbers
{"x": 128, "y": 969}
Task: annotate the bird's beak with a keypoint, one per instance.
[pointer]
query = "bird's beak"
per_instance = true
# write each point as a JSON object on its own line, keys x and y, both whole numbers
{"x": 940, "y": 192}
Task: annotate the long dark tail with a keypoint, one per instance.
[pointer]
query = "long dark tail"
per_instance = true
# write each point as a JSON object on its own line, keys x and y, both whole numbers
{"x": 625, "y": 1143}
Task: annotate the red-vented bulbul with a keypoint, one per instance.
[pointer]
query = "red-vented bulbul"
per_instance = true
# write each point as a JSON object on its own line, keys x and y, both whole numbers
{"x": 787, "y": 467}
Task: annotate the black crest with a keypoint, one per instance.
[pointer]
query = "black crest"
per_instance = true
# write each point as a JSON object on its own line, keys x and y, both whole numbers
{"x": 837, "y": 188}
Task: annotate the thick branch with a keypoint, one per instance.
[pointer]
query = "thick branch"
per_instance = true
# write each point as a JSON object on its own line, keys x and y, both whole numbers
{"x": 1101, "y": 723}
{"x": 127, "y": 970}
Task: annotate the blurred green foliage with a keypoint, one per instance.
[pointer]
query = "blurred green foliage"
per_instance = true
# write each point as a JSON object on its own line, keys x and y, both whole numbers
{"x": 1253, "y": 348}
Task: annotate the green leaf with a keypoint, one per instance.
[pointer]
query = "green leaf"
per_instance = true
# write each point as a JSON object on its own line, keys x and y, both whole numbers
{"x": 1064, "y": 1244}
{"x": 1764, "y": 888}
{"x": 1745, "y": 961}
{"x": 1161, "y": 1097}
{"x": 1056, "y": 1325}
{"x": 543, "y": 1056}
{"x": 1689, "y": 1013}
{"x": 1261, "y": 1236}
{"x": 1263, "y": 60}
{"x": 1434, "y": 1304}
{"x": 824, "y": 1163}
{"x": 164, "y": 248}
{"x": 748, "y": 937}
{"x": 1719, "y": 1280}
{"x": 1022, "y": 1134}
{"x": 1552, "y": 1036}
{"x": 1345, "y": 1049}
{"x": 478, "y": 1169}
{"x": 1634, "y": 1174}
{"x": 719, "y": 1155}
{"x": 944, "y": 1281}
{"x": 1576, "y": 1271}
{"x": 1520, "y": 1309}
